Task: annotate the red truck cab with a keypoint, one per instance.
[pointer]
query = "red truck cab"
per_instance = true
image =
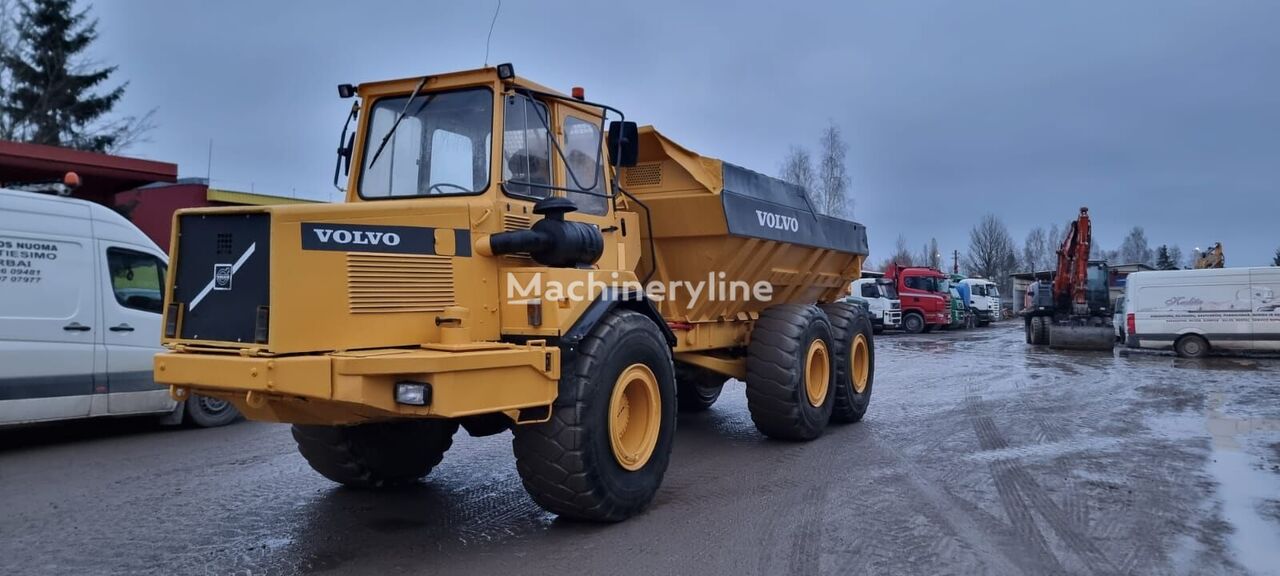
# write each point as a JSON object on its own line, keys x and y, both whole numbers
{"x": 925, "y": 305}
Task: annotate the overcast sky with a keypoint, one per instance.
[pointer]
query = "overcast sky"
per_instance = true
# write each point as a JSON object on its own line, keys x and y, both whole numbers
{"x": 1162, "y": 114}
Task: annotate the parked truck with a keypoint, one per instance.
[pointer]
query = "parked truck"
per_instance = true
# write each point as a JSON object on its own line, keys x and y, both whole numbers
{"x": 925, "y": 303}
{"x": 882, "y": 301}
{"x": 984, "y": 300}
{"x": 502, "y": 262}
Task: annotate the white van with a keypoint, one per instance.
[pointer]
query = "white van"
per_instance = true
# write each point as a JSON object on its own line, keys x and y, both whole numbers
{"x": 1195, "y": 311}
{"x": 984, "y": 299}
{"x": 882, "y": 301}
{"x": 80, "y": 302}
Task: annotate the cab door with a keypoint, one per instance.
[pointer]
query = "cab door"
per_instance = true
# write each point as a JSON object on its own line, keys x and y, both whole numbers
{"x": 132, "y": 281}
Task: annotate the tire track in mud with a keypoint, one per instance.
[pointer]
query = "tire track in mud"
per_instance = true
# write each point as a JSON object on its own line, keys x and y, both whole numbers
{"x": 1021, "y": 495}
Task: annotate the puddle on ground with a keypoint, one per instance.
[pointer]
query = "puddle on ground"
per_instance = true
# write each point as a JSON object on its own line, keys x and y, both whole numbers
{"x": 1244, "y": 488}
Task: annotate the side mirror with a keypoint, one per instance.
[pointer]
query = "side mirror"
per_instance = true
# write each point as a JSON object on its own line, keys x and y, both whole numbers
{"x": 624, "y": 143}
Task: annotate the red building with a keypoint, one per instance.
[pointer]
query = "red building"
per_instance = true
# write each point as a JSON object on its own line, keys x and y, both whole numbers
{"x": 145, "y": 191}
{"x": 151, "y": 207}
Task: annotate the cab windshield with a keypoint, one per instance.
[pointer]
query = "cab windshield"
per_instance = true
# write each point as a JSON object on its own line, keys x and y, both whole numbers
{"x": 440, "y": 147}
{"x": 888, "y": 289}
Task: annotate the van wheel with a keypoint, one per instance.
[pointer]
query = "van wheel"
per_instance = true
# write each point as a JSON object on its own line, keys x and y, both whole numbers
{"x": 1191, "y": 346}
{"x": 855, "y": 362}
{"x": 207, "y": 412}
{"x": 913, "y": 323}
{"x": 697, "y": 388}
{"x": 789, "y": 372}
{"x": 605, "y": 450}
{"x": 377, "y": 454}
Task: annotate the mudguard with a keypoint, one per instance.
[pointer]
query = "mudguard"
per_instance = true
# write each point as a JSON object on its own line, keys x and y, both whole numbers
{"x": 610, "y": 299}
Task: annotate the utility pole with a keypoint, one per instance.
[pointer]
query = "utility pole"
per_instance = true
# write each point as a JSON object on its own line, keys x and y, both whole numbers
{"x": 955, "y": 261}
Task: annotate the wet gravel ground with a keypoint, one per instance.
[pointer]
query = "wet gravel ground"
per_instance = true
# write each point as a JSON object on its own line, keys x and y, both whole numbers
{"x": 979, "y": 455}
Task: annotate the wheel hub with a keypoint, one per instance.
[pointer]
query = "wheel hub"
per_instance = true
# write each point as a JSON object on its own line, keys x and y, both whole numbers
{"x": 817, "y": 372}
{"x": 860, "y": 363}
{"x": 635, "y": 413}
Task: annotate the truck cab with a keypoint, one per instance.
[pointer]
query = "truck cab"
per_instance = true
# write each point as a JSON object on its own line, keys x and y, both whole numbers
{"x": 925, "y": 303}
{"x": 984, "y": 300}
{"x": 882, "y": 301}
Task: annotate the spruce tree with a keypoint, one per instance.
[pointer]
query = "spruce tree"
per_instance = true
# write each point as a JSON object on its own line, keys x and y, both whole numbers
{"x": 1276, "y": 261}
{"x": 52, "y": 99}
{"x": 1163, "y": 261}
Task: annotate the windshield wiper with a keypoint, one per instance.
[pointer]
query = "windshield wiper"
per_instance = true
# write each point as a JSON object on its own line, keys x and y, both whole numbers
{"x": 395, "y": 124}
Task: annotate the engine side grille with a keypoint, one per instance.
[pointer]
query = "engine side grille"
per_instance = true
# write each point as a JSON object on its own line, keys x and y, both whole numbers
{"x": 646, "y": 174}
{"x": 387, "y": 283}
{"x": 512, "y": 222}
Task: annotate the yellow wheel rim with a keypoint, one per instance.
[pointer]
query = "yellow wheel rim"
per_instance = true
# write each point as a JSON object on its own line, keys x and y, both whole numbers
{"x": 860, "y": 363}
{"x": 817, "y": 372}
{"x": 635, "y": 414}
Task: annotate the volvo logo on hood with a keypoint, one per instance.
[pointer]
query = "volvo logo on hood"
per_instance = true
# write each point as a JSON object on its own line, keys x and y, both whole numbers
{"x": 357, "y": 237}
{"x": 388, "y": 239}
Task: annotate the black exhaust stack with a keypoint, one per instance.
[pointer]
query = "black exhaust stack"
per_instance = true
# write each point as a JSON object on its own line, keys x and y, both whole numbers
{"x": 553, "y": 241}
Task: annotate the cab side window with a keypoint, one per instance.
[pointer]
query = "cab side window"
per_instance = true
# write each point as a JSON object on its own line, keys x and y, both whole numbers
{"x": 869, "y": 291}
{"x": 137, "y": 279}
{"x": 582, "y": 165}
{"x": 915, "y": 283}
{"x": 526, "y": 148}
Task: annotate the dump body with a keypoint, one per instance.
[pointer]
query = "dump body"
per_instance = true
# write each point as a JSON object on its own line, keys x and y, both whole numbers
{"x": 714, "y": 220}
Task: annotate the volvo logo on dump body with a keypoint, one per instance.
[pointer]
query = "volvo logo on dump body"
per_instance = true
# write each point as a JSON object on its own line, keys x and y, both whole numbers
{"x": 773, "y": 220}
{"x": 358, "y": 237}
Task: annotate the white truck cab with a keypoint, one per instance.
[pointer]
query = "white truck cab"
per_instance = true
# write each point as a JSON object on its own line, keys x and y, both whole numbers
{"x": 81, "y": 291}
{"x": 984, "y": 299}
{"x": 882, "y": 299}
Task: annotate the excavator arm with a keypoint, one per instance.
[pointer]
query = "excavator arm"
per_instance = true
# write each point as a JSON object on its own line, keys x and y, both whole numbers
{"x": 1073, "y": 263}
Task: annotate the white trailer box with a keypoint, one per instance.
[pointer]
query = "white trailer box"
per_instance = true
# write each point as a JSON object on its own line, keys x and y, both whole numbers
{"x": 1195, "y": 311}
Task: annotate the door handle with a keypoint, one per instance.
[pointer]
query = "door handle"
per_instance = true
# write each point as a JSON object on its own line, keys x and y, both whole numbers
{"x": 76, "y": 327}
{"x": 121, "y": 328}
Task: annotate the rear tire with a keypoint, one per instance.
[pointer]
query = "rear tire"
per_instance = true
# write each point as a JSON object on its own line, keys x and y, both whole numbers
{"x": 789, "y": 372}
{"x": 378, "y": 454}
{"x": 1042, "y": 333}
{"x": 913, "y": 323}
{"x": 855, "y": 362}
{"x": 1191, "y": 346}
{"x": 208, "y": 412}
{"x": 697, "y": 388}
{"x": 583, "y": 464}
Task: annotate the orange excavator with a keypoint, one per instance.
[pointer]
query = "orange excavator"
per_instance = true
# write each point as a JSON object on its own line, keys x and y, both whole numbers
{"x": 1072, "y": 310}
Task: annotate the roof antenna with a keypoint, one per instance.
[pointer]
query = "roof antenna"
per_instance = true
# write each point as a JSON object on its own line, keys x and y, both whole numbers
{"x": 490, "y": 36}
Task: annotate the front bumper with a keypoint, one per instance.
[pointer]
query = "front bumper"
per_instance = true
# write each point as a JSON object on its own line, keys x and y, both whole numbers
{"x": 892, "y": 319}
{"x": 350, "y": 387}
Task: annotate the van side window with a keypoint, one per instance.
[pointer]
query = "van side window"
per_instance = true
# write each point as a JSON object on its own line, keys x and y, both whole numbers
{"x": 137, "y": 279}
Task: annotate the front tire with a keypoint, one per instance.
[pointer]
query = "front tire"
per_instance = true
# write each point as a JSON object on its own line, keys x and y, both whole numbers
{"x": 913, "y": 323}
{"x": 855, "y": 361}
{"x": 378, "y": 454}
{"x": 604, "y": 452}
{"x": 789, "y": 372}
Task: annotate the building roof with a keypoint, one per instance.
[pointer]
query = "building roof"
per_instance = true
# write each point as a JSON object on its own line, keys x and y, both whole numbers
{"x": 251, "y": 199}
{"x": 101, "y": 175}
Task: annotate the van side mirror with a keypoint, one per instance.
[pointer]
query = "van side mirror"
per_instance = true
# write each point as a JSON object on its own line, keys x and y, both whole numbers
{"x": 624, "y": 143}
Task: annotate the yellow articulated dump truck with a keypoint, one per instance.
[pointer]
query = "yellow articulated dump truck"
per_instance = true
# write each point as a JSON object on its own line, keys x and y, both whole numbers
{"x": 512, "y": 258}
